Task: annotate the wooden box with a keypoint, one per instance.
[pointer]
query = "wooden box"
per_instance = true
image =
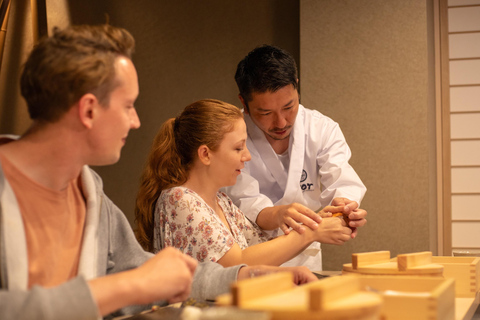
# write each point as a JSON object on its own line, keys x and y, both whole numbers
{"x": 346, "y": 297}
{"x": 413, "y": 297}
{"x": 464, "y": 270}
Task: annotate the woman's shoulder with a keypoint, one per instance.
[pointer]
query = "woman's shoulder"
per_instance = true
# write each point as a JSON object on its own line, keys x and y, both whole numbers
{"x": 228, "y": 204}
{"x": 224, "y": 197}
{"x": 177, "y": 193}
{"x": 180, "y": 195}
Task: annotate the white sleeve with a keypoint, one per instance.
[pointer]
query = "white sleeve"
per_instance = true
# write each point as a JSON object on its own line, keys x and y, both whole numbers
{"x": 246, "y": 195}
{"x": 338, "y": 178}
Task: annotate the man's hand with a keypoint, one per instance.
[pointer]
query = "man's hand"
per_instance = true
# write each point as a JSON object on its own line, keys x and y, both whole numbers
{"x": 347, "y": 204}
{"x": 327, "y": 211}
{"x": 166, "y": 276}
{"x": 301, "y": 275}
{"x": 355, "y": 214}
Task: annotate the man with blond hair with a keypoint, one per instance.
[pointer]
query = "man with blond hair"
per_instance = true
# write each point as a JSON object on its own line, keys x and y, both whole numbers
{"x": 66, "y": 251}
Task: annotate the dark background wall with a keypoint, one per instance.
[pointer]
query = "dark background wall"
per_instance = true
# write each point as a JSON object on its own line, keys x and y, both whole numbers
{"x": 185, "y": 51}
{"x": 365, "y": 63}
{"x": 368, "y": 65}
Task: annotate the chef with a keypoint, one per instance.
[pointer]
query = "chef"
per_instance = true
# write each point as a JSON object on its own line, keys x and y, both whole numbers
{"x": 299, "y": 157}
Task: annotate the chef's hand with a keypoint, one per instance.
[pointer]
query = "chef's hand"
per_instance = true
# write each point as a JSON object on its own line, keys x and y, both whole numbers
{"x": 295, "y": 216}
{"x": 355, "y": 214}
{"x": 327, "y": 211}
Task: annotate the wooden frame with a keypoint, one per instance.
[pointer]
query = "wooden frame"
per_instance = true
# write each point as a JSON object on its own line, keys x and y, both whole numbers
{"x": 39, "y": 21}
{"x": 4, "y": 11}
{"x": 446, "y": 191}
{"x": 442, "y": 106}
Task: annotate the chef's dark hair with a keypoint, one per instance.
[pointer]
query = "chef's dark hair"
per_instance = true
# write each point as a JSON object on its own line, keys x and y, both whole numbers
{"x": 265, "y": 68}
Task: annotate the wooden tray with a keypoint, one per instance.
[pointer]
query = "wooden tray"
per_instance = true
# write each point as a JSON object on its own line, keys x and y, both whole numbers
{"x": 465, "y": 270}
{"x": 380, "y": 263}
{"x": 346, "y": 297}
{"x": 335, "y": 298}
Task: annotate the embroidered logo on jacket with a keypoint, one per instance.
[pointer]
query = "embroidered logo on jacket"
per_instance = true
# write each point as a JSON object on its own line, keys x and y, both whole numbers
{"x": 305, "y": 186}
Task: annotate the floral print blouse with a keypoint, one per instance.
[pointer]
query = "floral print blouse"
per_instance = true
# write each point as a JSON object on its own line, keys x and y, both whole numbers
{"x": 185, "y": 221}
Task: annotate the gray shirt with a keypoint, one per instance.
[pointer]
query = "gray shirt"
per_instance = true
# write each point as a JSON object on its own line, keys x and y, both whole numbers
{"x": 110, "y": 248}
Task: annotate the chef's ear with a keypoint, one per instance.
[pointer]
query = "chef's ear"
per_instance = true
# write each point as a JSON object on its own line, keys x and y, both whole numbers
{"x": 244, "y": 103}
{"x": 298, "y": 91}
{"x": 204, "y": 154}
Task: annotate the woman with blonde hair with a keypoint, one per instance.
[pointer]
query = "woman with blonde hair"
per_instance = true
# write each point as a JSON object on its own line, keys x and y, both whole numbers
{"x": 179, "y": 203}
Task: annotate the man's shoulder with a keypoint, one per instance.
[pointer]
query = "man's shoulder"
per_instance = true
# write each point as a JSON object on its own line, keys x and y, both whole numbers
{"x": 91, "y": 180}
{"x": 89, "y": 171}
{"x": 6, "y": 138}
{"x": 312, "y": 115}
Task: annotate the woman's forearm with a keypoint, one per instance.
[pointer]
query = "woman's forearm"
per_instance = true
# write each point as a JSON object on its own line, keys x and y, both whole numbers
{"x": 273, "y": 252}
{"x": 283, "y": 248}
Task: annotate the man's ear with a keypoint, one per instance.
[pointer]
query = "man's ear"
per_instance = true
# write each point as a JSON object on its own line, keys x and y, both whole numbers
{"x": 298, "y": 91}
{"x": 87, "y": 108}
{"x": 245, "y": 107}
{"x": 204, "y": 154}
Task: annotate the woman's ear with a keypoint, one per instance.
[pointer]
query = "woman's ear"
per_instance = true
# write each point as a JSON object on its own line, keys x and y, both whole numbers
{"x": 87, "y": 105}
{"x": 204, "y": 154}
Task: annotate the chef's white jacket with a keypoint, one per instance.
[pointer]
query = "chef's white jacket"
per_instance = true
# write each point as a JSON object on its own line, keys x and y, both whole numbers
{"x": 318, "y": 172}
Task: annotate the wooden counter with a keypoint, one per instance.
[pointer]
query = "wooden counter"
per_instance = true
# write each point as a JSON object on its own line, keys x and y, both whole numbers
{"x": 465, "y": 307}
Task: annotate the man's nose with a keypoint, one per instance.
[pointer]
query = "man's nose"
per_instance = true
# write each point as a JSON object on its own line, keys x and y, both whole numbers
{"x": 280, "y": 121}
{"x": 134, "y": 120}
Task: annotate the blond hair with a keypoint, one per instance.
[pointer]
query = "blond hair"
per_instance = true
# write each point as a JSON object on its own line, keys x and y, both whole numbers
{"x": 70, "y": 63}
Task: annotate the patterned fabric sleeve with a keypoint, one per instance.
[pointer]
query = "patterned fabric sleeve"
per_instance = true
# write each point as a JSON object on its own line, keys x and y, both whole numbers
{"x": 187, "y": 223}
{"x": 245, "y": 232}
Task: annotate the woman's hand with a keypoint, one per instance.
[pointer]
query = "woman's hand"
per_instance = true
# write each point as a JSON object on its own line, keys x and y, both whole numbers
{"x": 301, "y": 275}
{"x": 333, "y": 230}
